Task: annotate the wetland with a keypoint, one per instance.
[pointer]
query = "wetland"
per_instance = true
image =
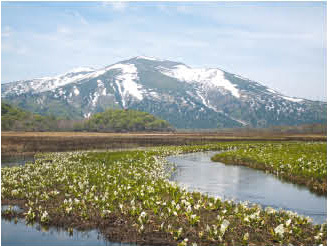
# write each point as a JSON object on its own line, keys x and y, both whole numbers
{"x": 130, "y": 197}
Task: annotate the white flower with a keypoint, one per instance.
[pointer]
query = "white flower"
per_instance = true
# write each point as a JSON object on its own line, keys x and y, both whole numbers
{"x": 45, "y": 216}
{"x": 318, "y": 236}
{"x": 143, "y": 214}
{"x": 270, "y": 210}
{"x": 288, "y": 222}
{"x": 246, "y": 236}
{"x": 14, "y": 192}
{"x": 280, "y": 230}
{"x": 224, "y": 226}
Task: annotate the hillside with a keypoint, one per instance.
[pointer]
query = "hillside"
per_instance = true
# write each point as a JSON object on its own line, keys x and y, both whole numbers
{"x": 16, "y": 119}
{"x": 184, "y": 96}
{"x": 123, "y": 121}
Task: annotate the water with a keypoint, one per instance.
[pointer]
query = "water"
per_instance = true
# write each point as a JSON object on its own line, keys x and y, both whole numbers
{"x": 18, "y": 233}
{"x": 9, "y": 161}
{"x": 197, "y": 172}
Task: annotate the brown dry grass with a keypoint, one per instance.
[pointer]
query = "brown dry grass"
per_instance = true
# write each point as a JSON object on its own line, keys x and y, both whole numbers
{"x": 13, "y": 143}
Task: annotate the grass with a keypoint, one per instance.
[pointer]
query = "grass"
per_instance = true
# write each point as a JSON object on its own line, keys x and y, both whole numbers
{"x": 300, "y": 163}
{"x": 25, "y": 143}
{"x": 128, "y": 197}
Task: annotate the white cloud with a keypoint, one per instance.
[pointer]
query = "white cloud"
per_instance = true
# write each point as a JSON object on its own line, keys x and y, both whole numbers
{"x": 183, "y": 9}
{"x": 78, "y": 16}
{"x": 6, "y": 32}
{"x": 15, "y": 47}
{"x": 116, "y": 6}
{"x": 64, "y": 30}
{"x": 257, "y": 44}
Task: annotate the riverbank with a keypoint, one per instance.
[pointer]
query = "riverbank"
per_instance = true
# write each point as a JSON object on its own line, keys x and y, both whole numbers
{"x": 127, "y": 196}
{"x": 299, "y": 163}
{"x": 29, "y": 143}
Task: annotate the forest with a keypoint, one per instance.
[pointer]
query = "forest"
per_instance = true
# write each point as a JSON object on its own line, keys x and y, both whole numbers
{"x": 16, "y": 119}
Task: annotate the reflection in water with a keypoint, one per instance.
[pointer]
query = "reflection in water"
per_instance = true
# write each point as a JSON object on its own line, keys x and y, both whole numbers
{"x": 9, "y": 161}
{"x": 20, "y": 234}
{"x": 13, "y": 234}
{"x": 197, "y": 172}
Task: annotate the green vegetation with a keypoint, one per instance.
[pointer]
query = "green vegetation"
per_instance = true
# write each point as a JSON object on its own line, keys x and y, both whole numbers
{"x": 127, "y": 196}
{"x": 13, "y": 118}
{"x": 301, "y": 163}
{"x": 16, "y": 119}
{"x": 124, "y": 120}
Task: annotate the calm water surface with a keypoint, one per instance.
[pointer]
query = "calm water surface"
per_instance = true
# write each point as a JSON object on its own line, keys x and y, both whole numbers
{"x": 9, "y": 161}
{"x": 197, "y": 172}
{"x": 20, "y": 234}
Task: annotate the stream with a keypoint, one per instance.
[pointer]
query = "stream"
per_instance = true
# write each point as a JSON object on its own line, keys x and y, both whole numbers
{"x": 196, "y": 172}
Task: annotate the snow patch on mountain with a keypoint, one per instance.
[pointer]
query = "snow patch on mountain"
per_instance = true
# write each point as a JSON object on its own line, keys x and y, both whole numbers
{"x": 76, "y": 91}
{"x": 150, "y": 58}
{"x": 95, "y": 98}
{"x": 272, "y": 91}
{"x": 81, "y": 70}
{"x": 240, "y": 77}
{"x": 204, "y": 102}
{"x": 126, "y": 82}
{"x": 100, "y": 83}
{"x": 87, "y": 115}
{"x": 292, "y": 99}
{"x": 212, "y": 77}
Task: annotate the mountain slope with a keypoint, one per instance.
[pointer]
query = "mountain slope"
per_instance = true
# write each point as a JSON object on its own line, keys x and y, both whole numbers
{"x": 184, "y": 96}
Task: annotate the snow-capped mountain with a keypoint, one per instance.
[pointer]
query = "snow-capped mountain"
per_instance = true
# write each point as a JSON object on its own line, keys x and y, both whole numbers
{"x": 186, "y": 97}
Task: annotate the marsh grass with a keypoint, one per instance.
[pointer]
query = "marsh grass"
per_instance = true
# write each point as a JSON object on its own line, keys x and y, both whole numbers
{"x": 13, "y": 143}
{"x": 128, "y": 197}
{"x": 298, "y": 162}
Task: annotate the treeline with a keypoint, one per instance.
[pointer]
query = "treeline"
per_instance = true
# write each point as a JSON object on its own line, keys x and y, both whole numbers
{"x": 16, "y": 119}
{"x": 123, "y": 121}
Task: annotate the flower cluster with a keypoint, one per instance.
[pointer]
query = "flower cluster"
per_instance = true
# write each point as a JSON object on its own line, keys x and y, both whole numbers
{"x": 132, "y": 189}
{"x": 302, "y": 163}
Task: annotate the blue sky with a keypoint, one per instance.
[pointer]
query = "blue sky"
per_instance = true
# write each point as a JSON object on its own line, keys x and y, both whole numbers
{"x": 279, "y": 44}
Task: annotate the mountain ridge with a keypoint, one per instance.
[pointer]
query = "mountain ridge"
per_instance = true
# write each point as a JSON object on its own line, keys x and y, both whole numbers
{"x": 184, "y": 96}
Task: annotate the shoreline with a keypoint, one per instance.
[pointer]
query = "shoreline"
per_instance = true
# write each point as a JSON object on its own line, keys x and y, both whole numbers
{"x": 239, "y": 158}
{"x": 134, "y": 217}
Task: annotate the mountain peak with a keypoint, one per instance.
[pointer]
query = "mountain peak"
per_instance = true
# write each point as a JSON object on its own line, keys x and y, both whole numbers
{"x": 81, "y": 70}
{"x": 150, "y": 58}
{"x": 187, "y": 97}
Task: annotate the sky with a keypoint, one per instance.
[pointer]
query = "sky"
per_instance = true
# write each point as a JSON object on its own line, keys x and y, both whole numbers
{"x": 279, "y": 44}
